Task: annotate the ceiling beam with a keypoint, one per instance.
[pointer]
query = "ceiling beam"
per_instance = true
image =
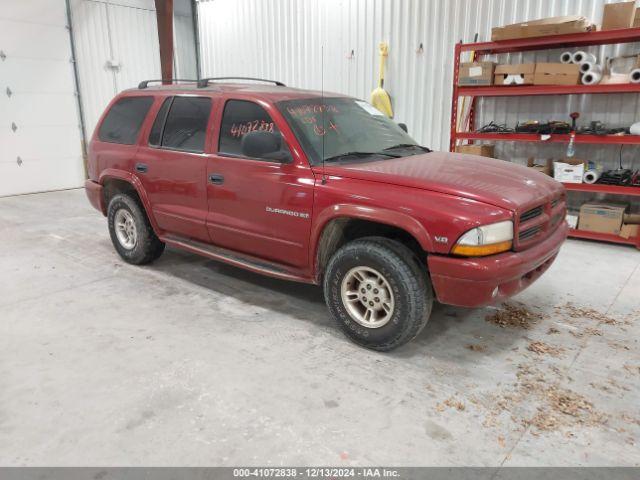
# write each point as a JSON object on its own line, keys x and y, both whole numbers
{"x": 164, "y": 14}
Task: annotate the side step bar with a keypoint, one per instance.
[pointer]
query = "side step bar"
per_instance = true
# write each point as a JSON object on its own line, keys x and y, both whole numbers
{"x": 234, "y": 258}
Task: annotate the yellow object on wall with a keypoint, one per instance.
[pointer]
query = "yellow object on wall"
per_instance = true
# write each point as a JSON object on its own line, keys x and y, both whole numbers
{"x": 379, "y": 97}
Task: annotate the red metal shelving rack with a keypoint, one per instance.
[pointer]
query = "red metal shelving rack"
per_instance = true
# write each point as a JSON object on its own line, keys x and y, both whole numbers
{"x": 626, "y": 35}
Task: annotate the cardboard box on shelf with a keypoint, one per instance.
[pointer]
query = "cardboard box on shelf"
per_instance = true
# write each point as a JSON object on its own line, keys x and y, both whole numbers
{"x": 475, "y": 73}
{"x": 556, "y": 74}
{"x": 629, "y": 231}
{"x": 514, "y": 74}
{"x": 569, "y": 170}
{"x": 481, "y": 150}
{"x": 542, "y": 27}
{"x": 618, "y": 15}
{"x": 546, "y": 168}
{"x": 602, "y": 217}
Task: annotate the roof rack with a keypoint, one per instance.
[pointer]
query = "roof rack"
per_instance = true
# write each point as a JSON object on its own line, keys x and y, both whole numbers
{"x": 145, "y": 83}
{"x": 205, "y": 81}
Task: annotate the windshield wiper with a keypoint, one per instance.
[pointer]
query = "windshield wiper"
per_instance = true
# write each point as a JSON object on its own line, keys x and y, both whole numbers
{"x": 360, "y": 155}
{"x": 408, "y": 145}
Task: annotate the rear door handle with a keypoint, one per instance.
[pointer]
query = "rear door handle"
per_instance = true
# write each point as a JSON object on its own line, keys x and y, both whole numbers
{"x": 141, "y": 167}
{"x": 216, "y": 179}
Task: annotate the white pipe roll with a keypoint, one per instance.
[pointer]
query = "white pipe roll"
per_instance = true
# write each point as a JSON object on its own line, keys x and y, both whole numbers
{"x": 591, "y": 176}
{"x": 587, "y": 67}
{"x": 634, "y": 76}
{"x": 566, "y": 57}
{"x": 580, "y": 57}
{"x": 591, "y": 78}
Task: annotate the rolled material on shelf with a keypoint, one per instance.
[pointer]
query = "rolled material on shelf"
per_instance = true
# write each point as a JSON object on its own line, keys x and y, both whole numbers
{"x": 591, "y": 176}
{"x": 631, "y": 219}
{"x": 580, "y": 57}
{"x": 513, "y": 80}
{"x": 634, "y": 76}
{"x": 566, "y": 57}
{"x": 592, "y": 67}
{"x": 591, "y": 78}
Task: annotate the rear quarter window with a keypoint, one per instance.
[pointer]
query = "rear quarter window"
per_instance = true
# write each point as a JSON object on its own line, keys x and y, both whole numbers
{"x": 124, "y": 120}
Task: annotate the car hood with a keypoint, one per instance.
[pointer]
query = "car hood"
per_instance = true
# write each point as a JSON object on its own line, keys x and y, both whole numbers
{"x": 497, "y": 182}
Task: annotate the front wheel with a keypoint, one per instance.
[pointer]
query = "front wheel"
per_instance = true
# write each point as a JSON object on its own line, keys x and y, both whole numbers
{"x": 378, "y": 293}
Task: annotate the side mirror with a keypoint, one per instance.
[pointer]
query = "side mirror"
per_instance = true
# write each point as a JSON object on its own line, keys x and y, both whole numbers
{"x": 403, "y": 126}
{"x": 266, "y": 145}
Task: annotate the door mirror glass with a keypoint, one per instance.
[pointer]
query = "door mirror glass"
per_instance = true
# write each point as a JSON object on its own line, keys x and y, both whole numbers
{"x": 403, "y": 126}
{"x": 263, "y": 144}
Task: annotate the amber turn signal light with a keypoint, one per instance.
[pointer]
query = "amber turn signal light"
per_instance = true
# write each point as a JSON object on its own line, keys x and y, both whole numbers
{"x": 481, "y": 250}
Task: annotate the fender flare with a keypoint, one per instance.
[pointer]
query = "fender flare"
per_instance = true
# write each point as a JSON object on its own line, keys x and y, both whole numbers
{"x": 374, "y": 214}
{"x": 134, "y": 181}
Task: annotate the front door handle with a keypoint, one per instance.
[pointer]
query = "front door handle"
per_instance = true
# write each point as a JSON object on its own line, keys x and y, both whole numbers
{"x": 216, "y": 179}
{"x": 141, "y": 167}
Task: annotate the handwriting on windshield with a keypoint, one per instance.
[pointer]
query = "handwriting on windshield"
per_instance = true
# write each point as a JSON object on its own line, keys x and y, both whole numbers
{"x": 240, "y": 129}
{"x": 321, "y": 131}
{"x": 312, "y": 108}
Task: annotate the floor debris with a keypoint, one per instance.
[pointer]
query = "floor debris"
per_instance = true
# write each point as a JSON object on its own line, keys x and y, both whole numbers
{"x": 451, "y": 402}
{"x": 583, "y": 312}
{"x": 476, "y": 347}
{"x": 511, "y": 315}
{"x": 542, "y": 348}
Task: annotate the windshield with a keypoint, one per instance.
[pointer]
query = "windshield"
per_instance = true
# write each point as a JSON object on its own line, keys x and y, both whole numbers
{"x": 345, "y": 129}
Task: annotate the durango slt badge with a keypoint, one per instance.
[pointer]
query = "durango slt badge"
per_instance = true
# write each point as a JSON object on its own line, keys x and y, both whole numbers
{"x": 291, "y": 213}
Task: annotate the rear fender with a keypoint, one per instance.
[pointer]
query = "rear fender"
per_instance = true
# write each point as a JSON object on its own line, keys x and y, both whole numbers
{"x": 113, "y": 173}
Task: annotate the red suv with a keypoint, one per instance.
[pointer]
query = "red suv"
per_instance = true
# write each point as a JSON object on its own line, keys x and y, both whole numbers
{"x": 322, "y": 189}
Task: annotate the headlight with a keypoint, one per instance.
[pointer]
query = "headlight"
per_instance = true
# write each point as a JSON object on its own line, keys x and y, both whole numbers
{"x": 485, "y": 240}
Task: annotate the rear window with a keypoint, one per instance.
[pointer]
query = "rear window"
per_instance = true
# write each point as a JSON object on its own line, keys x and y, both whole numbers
{"x": 186, "y": 126}
{"x": 123, "y": 122}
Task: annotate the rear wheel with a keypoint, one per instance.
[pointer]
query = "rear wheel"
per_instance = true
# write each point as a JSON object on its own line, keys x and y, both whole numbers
{"x": 130, "y": 230}
{"x": 378, "y": 293}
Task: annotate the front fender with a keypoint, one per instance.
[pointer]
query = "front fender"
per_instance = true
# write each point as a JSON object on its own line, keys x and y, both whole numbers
{"x": 374, "y": 214}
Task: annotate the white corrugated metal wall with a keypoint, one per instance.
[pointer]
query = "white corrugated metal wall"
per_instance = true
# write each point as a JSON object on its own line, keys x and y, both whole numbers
{"x": 184, "y": 63}
{"x": 117, "y": 47}
{"x": 284, "y": 40}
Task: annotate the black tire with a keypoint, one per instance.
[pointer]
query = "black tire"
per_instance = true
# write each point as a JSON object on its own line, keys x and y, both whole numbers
{"x": 407, "y": 278}
{"x": 148, "y": 246}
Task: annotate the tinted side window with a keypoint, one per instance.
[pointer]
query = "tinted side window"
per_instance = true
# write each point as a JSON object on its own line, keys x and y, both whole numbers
{"x": 158, "y": 124}
{"x": 123, "y": 122}
{"x": 239, "y": 118}
{"x": 186, "y": 125}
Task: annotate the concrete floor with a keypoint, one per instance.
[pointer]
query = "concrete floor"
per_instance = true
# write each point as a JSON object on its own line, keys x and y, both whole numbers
{"x": 191, "y": 362}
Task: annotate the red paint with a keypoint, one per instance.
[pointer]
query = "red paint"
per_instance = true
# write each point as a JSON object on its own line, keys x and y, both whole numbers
{"x": 469, "y": 282}
{"x": 276, "y": 213}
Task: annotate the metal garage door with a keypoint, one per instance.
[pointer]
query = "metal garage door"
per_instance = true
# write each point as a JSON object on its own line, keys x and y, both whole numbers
{"x": 116, "y": 47}
{"x": 40, "y": 140}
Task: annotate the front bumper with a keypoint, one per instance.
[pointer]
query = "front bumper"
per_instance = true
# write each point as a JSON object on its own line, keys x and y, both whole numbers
{"x": 95, "y": 196}
{"x": 476, "y": 282}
